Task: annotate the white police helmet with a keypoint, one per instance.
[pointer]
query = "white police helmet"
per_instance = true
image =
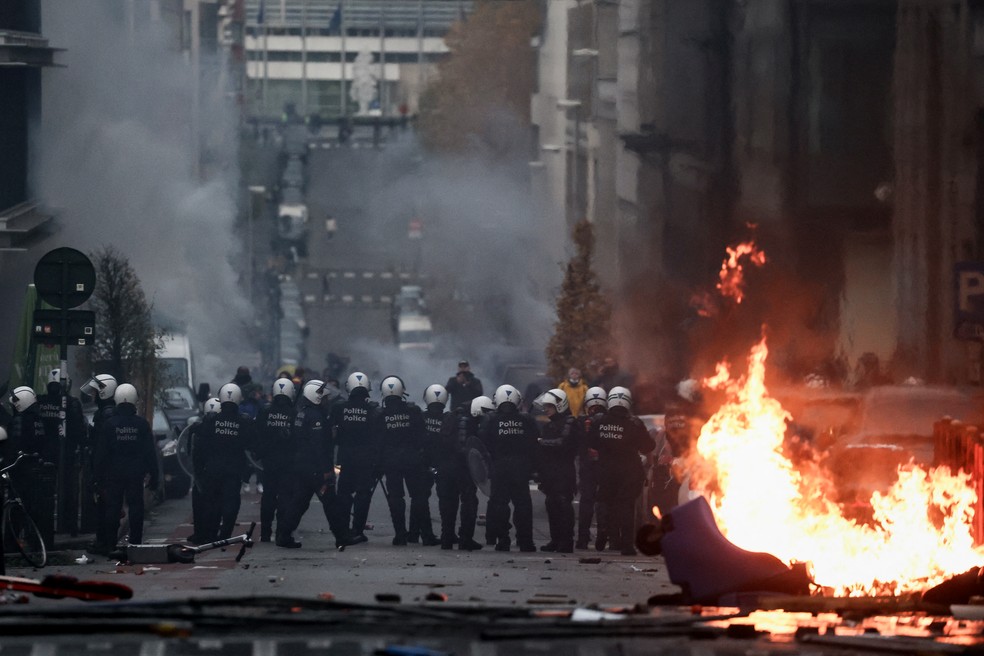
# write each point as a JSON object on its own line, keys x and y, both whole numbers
{"x": 507, "y": 394}
{"x": 596, "y": 396}
{"x": 125, "y": 393}
{"x": 231, "y": 393}
{"x": 480, "y": 405}
{"x": 314, "y": 391}
{"x": 555, "y": 397}
{"x": 23, "y": 398}
{"x": 213, "y": 405}
{"x": 100, "y": 385}
{"x": 392, "y": 386}
{"x": 620, "y": 397}
{"x": 436, "y": 394}
{"x": 54, "y": 376}
{"x": 284, "y": 387}
{"x": 356, "y": 380}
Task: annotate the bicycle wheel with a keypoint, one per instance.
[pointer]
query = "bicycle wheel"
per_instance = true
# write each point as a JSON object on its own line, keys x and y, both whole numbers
{"x": 18, "y": 526}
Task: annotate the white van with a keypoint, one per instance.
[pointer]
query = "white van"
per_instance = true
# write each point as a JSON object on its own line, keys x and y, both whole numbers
{"x": 176, "y": 362}
{"x": 414, "y": 332}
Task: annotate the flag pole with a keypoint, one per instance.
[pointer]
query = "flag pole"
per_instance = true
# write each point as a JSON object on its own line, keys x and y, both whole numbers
{"x": 382, "y": 59}
{"x": 341, "y": 8}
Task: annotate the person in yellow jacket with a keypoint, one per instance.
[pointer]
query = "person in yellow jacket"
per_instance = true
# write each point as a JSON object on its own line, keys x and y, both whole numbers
{"x": 576, "y": 389}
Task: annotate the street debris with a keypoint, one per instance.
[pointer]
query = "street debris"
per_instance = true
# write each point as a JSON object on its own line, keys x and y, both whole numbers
{"x": 388, "y": 598}
{"x": 707, "y": 566}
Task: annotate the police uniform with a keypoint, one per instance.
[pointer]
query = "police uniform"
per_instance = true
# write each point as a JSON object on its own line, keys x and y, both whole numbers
{"x": 313, "y": 473}
{"x": 94, "y": 503}
{"x": 402, "y": 439}
{"x": 420, "y": 523}
{"x": 454, "y": 481}
{"x": 558, "y": 480}
{"x": 197, "y": 500}
{"x": 276, "y": 447}
{"x": 354, "y": 424}
{"x": 587, "y": 481}
{"x": 125, "y": 456}
{"x": 619, "y": 439}
{"x": 219, "y": 453}
{"x": 511, "y": 437}
{"x": 63, "y": 449}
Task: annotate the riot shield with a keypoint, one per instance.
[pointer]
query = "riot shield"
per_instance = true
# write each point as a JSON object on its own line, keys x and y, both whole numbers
{"x": 184, "y": 451}
{"x": 479, "y": 464}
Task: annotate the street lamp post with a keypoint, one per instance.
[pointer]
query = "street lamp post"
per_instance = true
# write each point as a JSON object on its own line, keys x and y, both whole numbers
{"x": 565, "y": 104}
{"x": 254, "y": 191}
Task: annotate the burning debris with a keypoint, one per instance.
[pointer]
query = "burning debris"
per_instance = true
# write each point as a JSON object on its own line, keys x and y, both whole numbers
{"x": 731, "y": 282}
{"x": 777, "y": 506}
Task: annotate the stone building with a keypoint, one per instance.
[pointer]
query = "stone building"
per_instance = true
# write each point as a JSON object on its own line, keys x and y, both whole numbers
{"x": 848, "y": 132}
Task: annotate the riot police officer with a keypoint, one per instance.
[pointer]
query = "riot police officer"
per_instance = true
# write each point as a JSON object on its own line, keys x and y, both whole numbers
{"x": 555, "y": 464}
{"x": 402, "y": 436}
{"x": 50, "y": 409}
{"x": 219, "y": 453}
{"x": 26, "y": 429}
{"x": 61, "y": 444}
{"x": 210, "y": 409}
{"x": 102, "y": 387}
{"x": 313, "y": 469}
{"x": 435, "y": 400}
{"x": 454, "y": 481}
{"x": 595, "y": 404}
{"x": 125, "y": 458}
{"x": 511, "y": 437}
{"x": 619, "y": 439}
{"x": 353, "y": 423}
{"x": 276, "y": 448}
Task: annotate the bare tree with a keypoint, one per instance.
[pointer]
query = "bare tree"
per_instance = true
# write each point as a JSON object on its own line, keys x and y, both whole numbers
{"x": 126, "y": 342}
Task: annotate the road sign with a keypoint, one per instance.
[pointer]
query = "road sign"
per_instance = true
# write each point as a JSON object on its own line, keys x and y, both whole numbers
{"x": 416, "y": 229}
{"x": 80, "y": 327}
{"x": 65, "y": 278}
{"x": 968, "y": 280}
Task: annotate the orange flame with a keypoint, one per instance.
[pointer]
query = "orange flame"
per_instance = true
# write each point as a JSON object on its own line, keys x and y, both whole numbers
{"x": 763, "y": 502}
{"x": 732, "y": 274}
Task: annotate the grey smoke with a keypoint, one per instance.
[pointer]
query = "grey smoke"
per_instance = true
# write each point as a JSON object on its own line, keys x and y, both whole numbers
{"x": 117, "y": 157}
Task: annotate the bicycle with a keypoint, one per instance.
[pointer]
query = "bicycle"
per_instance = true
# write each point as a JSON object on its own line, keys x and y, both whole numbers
{"x": 17, "y": 523}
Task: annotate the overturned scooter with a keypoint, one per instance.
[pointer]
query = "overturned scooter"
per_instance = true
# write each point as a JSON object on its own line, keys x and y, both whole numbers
{"x": 148, "y": 554}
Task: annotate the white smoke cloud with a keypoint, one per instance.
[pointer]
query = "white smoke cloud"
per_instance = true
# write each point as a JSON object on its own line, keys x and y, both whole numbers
{"x": 117, "y": 157}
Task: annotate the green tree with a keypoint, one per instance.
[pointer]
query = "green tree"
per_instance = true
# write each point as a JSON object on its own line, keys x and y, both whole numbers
{"x": 481, "y": 98}
{"x": 581, "y": 333}
{"x": 126, "y": 343}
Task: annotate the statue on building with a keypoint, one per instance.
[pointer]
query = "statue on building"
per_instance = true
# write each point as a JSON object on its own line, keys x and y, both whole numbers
{"x": 364, "y": 81}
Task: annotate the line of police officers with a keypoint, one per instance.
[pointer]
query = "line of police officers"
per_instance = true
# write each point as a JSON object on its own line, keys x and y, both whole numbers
{"x": 405, "y": 450}
{"x": 393, "y": 444}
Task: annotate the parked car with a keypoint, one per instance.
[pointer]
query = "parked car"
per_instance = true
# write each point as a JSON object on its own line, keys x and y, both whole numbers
{"x": 896, "y": 426}
{"x": 179, "y": 405}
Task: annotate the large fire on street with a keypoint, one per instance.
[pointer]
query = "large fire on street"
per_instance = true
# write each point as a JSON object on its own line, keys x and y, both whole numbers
{"x": 763, "y": 501}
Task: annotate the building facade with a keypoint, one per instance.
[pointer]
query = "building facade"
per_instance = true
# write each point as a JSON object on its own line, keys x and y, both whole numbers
{"x": 303, "y": 53}
{"x": 847, "y": 132}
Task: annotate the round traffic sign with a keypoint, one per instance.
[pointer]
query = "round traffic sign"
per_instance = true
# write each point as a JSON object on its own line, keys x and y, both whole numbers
{"x": 64, "y": 278}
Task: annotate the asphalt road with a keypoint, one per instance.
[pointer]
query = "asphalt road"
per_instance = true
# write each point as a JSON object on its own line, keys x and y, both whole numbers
{"x": 361, "y": 572}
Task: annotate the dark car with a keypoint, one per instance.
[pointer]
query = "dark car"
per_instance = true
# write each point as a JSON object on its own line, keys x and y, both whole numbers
{"x": 895, "y": 426}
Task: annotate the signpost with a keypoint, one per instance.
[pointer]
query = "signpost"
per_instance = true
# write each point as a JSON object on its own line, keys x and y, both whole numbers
{"x": 65, "y": 279}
